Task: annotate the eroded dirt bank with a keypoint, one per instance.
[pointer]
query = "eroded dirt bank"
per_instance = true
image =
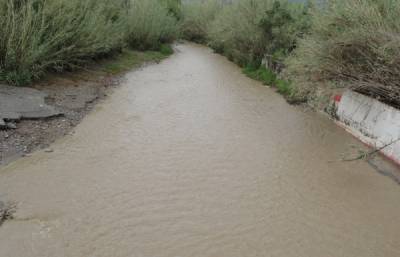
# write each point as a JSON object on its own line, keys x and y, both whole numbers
{"x": 71, "y": 95}
{"x": 195, "y": 159}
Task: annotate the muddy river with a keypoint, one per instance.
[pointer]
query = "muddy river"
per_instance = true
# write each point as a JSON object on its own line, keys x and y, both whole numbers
{"x": 189, "y": 158}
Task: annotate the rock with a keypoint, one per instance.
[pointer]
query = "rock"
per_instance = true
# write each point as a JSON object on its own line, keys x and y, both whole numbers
{"x": 24, "y": 103}
{"x": 11, "y": 125}
{"x": 49, "y": 150}
{"x": 2, "y": 124}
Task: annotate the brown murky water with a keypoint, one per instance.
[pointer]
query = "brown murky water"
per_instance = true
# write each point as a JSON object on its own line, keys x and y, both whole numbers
{"x": 190, "y": 158}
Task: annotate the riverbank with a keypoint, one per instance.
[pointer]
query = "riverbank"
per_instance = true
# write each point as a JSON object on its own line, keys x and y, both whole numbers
{"x": 192, "y": 158}
{"x": 72, "y": 95}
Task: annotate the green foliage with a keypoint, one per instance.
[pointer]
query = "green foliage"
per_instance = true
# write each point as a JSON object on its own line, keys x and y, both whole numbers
{"x": 270, "y": 78}
{"x": 354, "y": 44}
{"x": 196, "y": 19}
{"x": 283, "y": 24}
{"x": 262, "y": 74}
{"x": 174, "y": 7}
{"x": 236, "y": 32}
{"x": 284, "y": 87}
{"x": 37, "y": 36}
{"x": 150, "y": 24}
{"x": 129, "y": 59}
{"x": 249, "y": 31}
{"x": 166, "y": 49}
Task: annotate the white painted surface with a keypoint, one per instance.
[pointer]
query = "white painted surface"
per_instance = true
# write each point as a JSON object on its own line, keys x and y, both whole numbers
{"x": 373, "y": 122}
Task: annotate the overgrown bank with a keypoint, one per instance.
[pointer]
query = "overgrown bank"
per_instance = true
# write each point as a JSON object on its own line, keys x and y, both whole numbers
{"x": 71, "y": 94}
{"x": 37, "y": 36}
{"x": 307, "y": 49}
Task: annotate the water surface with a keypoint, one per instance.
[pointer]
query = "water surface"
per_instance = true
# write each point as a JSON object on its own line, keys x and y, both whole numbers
{"x": 189, "y": 158}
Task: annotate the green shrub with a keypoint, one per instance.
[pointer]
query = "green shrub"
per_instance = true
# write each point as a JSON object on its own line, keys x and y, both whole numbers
{"x": 236, "y": 31}
{"x": 282, "y": 25}
{"x": 197, "y": 17}
{"x": 284, "y": 87}
{"x": 262, "y": 74}
{"x": 174, "y": 7}
{"x": 250, "y": 31}
{"x": 353, "y": 44}
{"x": 39, "y": 35}
{"x": 269, "y": 78}
{"x": 166, "y": 49}
{"x": 150, "y": 24}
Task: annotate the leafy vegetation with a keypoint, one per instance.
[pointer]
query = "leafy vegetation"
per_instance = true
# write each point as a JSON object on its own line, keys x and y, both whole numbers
{"x": 250, "y": 31}
{"x": 150, "y": 24}
{"x": 353, "y": 44}
{"x": 197, "y": 17}
{"x": 37, "y": 36}
{"x": 259, "y": 35}
{"x": 337, "y": 44}
{"x": 318, "y": 47}
{"x": 129, "y": 59}
{"x": 262, "y": 74}
{"x": 269, "y": 78}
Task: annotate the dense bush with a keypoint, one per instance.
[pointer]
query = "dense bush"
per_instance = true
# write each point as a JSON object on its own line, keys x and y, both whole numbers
{"x": 150, "y": 24}
{"x": 283, "y": 25}
{"x": 197, "y": 17}
{"x": 38, "y": 35}
{"x": 174, "y": 7}
{"x": 249, "y": 31}
{"x": 353, "y": 43}
{"x": 236, "y": 32}
{"x": 258, "y": 35}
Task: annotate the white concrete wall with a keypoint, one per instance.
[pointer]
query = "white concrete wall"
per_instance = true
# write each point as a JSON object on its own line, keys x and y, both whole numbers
{"x": 373, "y": 122}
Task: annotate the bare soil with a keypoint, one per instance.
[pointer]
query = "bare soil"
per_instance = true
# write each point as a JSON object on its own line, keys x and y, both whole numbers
{"x": 73, "y": 94}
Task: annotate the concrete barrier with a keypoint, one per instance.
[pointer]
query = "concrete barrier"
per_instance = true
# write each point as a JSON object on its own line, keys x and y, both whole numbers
{"x": 373, "y": 122}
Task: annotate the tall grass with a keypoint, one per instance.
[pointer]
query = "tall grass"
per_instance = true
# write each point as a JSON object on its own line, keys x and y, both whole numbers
{"x": 38, "y": 35}
{"x": 259, "y": 35}
{"x": 197, "y": 17}
{"x": 332, "y": 44}
{"x": 150, "y": 24}
{"x": 237, "y": 33}
{"x": 353, "y": 44}
{"x": 249, "y": 31}
{"x": 54, "y": 35}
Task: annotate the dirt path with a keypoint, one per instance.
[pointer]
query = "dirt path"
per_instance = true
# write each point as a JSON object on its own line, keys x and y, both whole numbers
{"x": 191, "y": 158}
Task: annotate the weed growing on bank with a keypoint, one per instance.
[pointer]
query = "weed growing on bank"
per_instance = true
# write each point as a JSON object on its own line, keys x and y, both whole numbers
{"x": 128, "y": 59}
{"x": 37, "y": 36}
{"x": 197, "y": 17}
{"x": 256, "y": 34}
{"x": 320, "y": 46}
{"x": 250, "y": 31}
{"x": 262, "y": 74}
{"x": 269, "y": 78}
{"x": 352, "y": 44}
{"x": 150, "y": 24}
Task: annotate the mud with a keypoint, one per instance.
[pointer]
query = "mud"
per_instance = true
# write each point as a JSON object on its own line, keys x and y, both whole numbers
{"x": 195, "y": 159}
{"x": 52, "y": 108}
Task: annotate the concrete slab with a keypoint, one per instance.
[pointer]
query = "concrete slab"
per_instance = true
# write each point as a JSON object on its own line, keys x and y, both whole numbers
{"x": 373, "y": 122}
{"x": 24, "y": 103}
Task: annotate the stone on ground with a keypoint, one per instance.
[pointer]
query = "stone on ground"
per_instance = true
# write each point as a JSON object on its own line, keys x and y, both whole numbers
{"x": 23, "y": 103}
